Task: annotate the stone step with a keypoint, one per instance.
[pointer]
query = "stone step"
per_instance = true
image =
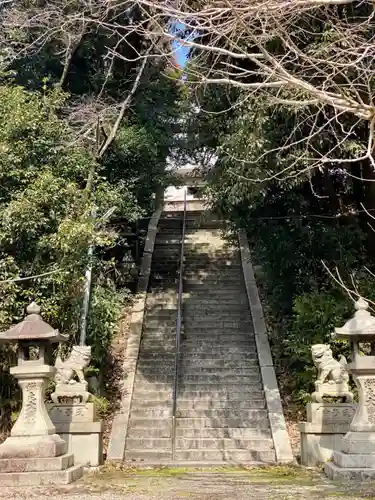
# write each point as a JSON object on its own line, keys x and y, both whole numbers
{"x": 223, "y": 394}
{"x": 201, "y": 343}
{"x": 162, "y": 378}
{"x": 189, "y": 372}
{"x": 148, "y": 443}
{"x": 215, "y": 307}
{"x": 203, "y": 259}
{"x": 156, "y": 323}
{"x": 198, "y": 404}
{"x": 224, "y": 433}
{"x": 159, "y": 335}
{"x": 227, "y": 387}
{"x": 187, "y": 367}
{"x": 211, "y": 292}
{"x": 220, "y": 352}
{"x": 199, "y": 292}
{"x": 219, "y": 395}
{"x": 204, "y": 274}
{"x": 222, "y": 379}
{"x": 246, "y": 413}
{"x": 196, "y": 315}
{"x": 161, "y": 315}
{"x": 162, "y": 403}
{"x": 224, "y": 444}
{"x": 197, "y": 444}
{"x": 192, "y": 253}
{"x": 151, "y": 412}
{"x": 214, "y": 268}
{"x": 241, "y": 356}
{"x": 155, "y": 369}
{"x": 158, "y": 344}
{"x": 215, "y": 404}
{"x": 159, "y": 329}
{"x": 147, "y": 354}
{"x": 209, "y": 375}
{"x": 217, "y": 325}
{"x": 161, "y": 312}
{"x": 193, "y": 302}
{"x": 143, "y": 455}
{"x": 200, "y": 257}
{"x": 149, "y": 432}
{"x": 168, "y": 240}
{"x": 50, "y": 464}
{"x": 166, "y": 252}
{"x": 162, "y": 298}
{"x": 150, "y": 423}
{"x": 212, "y": 422}
{"x": 219, "y": 364}
{"x": 215, "y": 279}
{"x": 216, "y": 293}
{"x": 241, "y": 456}
{"x": 142, "y": 393}
{"x": 41, "y": 478}
{"x": 143, "y": 386}
{"x": 246, "y": 339}
{"x": 210, "y": 332}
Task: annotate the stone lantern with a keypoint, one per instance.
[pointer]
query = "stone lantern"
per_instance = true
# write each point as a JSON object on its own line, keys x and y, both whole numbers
{"x": 356, "y": 460}
{"x": 34, "y": 453}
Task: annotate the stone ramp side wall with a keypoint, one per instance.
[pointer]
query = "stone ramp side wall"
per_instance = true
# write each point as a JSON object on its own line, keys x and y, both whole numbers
{"x": 116, "y": 447}
{"x": 279, "y": 431}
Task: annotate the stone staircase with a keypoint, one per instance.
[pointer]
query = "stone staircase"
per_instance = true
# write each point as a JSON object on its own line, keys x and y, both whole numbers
{"x": 221, "y": 413}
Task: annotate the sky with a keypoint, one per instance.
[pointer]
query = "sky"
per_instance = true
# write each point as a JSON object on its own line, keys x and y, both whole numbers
{"x": 181, "y": 53}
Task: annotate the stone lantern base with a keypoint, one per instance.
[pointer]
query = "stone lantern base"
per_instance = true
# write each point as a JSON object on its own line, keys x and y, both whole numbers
{"x": 39, "y": 471}
{"x": 351, "y": 462}
{"x": 35, "y": 454}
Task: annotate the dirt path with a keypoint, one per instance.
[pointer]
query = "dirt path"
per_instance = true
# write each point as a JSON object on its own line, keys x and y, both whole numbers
{"x": 275, "y": 483}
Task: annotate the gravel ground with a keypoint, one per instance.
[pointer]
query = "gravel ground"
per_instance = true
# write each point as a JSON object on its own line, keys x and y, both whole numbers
{"x": 194, "y": 486}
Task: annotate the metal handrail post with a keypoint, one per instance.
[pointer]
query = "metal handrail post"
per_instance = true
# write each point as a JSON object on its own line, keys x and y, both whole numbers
{"x": 178, "y": 330}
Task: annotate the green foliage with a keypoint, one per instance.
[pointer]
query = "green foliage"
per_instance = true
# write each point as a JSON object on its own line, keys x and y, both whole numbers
{"x": 46, "y": 225}
{"x": 102, "y": 406}
{"x": 297, "y": 219}
{"x": 315, "y": 316}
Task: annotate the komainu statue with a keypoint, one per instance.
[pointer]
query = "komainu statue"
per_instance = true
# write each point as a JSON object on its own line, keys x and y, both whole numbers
{"x": 75, "y": 364}
{"x": 333, "y": 377}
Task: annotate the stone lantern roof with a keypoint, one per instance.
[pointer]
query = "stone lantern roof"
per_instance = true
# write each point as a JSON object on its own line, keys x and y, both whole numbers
{"x": 362, "y": 325}
{"x": 32, "y": 328}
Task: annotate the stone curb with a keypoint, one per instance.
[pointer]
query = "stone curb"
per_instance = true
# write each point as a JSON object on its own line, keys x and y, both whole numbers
{"x": 279, "y": 431}
{"x": 116, "y": 445}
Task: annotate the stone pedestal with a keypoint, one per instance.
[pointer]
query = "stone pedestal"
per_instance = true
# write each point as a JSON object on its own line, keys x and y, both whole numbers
{"x": 76, "y": 391}
{"x": 322, "y": 434}
{"x": 77, "y": 424}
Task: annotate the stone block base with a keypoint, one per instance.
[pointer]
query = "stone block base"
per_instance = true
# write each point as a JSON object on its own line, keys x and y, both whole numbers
{"x": 85, "y": 441}
{"x": 335, "y": 472}
{"x": 33, "y": 446}
{"x": 41, "y": 478}
{"x": 354, "y": 461}
{"x": 36, "y": 464}
{"x": 318, "y": 448}
{"x": 323, "y": 433}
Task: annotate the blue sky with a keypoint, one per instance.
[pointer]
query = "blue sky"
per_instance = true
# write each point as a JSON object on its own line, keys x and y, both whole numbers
{"x": 181, "y": 54}
{"x": 181, "y": 51}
